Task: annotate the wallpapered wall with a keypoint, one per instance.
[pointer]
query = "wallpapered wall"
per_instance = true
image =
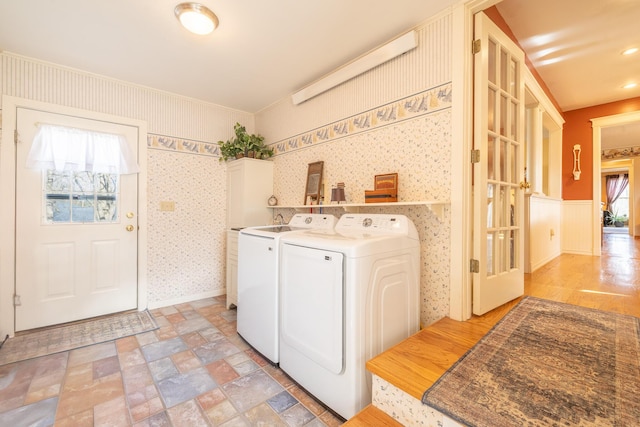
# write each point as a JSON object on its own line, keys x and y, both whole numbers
{"x": 186, "y": 247}
{"x": 395, "y": 118}
{"x": 412, "y": 137}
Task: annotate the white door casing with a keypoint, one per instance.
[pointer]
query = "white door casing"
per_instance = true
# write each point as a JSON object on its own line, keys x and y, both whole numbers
{"x": 8, "y": 171}
{"x": 498, "y": 235}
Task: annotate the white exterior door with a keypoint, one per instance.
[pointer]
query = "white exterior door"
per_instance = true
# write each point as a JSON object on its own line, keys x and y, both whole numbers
{"x": 76, "y": 233}
{"x": 499, "y": 108}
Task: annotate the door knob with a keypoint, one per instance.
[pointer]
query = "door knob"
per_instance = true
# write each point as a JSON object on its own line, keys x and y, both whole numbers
{"x": 129, "y": 214}
{"x": 129, "y": 227}
{"x": 524, "y": 185}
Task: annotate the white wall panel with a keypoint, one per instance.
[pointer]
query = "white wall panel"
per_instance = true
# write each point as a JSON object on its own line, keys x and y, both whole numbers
{"x": 166, "y": 113}
{"x": 427, "y": 66}
{"x": 545, "y": 228}
{"x": 577, "y": 234}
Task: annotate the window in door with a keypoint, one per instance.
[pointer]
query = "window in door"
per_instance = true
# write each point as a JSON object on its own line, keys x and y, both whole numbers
{"x": 80, "y": 197}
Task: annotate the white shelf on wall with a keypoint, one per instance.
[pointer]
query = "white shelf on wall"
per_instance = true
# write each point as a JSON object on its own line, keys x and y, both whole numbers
{"x": 436, "y": 206}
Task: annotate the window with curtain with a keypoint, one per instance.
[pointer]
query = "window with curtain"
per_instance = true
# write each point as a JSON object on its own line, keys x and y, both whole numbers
{"x": 616, "y": 187}
{"x": 81, "y": 171}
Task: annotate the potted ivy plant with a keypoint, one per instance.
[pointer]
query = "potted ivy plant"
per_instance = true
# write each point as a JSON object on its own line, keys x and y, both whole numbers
{"x": 244, "y": 144}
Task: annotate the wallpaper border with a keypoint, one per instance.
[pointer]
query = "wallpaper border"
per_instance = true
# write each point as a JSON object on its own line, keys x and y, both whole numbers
{"x": 426, "y": 102}
{"x": 429, "y": 101}
{"x": 620, "y": 153}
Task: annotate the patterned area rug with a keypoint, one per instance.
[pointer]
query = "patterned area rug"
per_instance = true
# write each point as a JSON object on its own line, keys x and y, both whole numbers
{"x": 66, "y": 337}
{"x": 547, "y": 364}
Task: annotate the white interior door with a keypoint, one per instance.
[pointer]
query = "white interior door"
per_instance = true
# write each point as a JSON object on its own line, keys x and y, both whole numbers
{"x": 498, "y": 199}
{"x": 76, "y": 233}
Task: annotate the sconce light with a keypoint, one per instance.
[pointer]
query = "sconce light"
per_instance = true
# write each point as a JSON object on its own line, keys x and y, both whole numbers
{"x": 337, "y": 194}
{"x": 576, "y": 162}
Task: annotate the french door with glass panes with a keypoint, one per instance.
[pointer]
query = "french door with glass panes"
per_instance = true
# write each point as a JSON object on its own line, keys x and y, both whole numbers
{"x": 498, "y": 234}
{"x": 76, "y": 233}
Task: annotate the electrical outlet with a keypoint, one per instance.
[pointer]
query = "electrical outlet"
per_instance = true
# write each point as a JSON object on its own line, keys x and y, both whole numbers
{"x": 167, "y": 206}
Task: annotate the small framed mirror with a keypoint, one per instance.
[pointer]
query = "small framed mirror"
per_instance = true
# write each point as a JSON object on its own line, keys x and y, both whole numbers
{"x": 313, "y": 189}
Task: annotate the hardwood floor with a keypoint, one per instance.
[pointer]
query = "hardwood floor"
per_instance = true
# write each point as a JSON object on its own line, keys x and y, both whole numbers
{"x": 610, "y": 282}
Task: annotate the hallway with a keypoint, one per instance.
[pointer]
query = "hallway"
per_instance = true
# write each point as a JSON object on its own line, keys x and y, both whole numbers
{"x": 610, "y": 282}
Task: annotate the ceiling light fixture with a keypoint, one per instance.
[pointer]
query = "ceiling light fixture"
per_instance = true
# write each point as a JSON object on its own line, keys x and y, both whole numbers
{"x": 630, "y": 51}
{"x": 196, "y": 18}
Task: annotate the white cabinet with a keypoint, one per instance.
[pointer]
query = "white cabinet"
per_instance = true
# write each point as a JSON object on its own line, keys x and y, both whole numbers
{"x": 232, "y": 268}
{"x": 249, "y": 186}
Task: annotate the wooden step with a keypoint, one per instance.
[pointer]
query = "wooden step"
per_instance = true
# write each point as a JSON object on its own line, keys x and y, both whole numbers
{"x": 371, "y": 416}
{"x": 417, "y": 362}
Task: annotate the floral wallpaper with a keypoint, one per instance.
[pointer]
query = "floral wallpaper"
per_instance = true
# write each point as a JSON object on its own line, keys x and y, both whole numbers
{"x": 412, "y": 137}
{"x": 186, "y": 246}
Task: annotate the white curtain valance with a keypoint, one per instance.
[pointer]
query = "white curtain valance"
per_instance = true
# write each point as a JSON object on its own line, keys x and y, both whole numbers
{"x": 70, "y": 149}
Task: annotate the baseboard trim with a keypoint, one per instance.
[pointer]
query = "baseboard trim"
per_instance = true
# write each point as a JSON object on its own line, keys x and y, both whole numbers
{"x": 188, "y": 298}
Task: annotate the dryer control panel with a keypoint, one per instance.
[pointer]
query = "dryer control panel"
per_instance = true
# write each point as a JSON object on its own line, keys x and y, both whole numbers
{"x": 375, "y": 223}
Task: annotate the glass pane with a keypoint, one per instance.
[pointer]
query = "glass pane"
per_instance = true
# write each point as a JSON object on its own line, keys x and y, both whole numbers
{"x": 504, "y": 147}
{"x": 491, "y": 110}
{"x": 82, "y": 209}
{"x": 513, "y": 161}
{"x": 106, "y": 209}
{"x": 504, "y": 207}
{"x": 491, "y": 174}
{"x": 57, "y": 181}
{"x": 106, "y": 183}
{"x": 513, "y": 209}
{"x": 504, "y": 71}
{"x": 83, "y": 182}
{"x": 513, "y": 130}
{"x": 492, "y": 62}
{"x": 490, "y": 206}
{"x": 57, "y": 209}
{"x": 490, "y": 269}
{"x": 503, "y": 113}
{"x": 513, "y": 248}
{"x": 501, "y": 252}
{"x": 514, "y": 82}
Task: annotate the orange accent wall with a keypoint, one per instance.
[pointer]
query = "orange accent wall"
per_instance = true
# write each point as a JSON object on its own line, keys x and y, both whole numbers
{"x": 577, "y": 130}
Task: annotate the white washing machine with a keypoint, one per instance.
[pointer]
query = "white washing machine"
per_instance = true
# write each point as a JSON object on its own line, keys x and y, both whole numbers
{"x": 258, "y": 257}
{"x": 346, "y": 296}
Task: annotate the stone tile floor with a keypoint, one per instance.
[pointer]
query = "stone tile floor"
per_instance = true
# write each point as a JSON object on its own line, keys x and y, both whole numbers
{"x": 193, "y": 371}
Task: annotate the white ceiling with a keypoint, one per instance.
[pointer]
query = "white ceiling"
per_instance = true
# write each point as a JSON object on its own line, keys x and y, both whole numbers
{"x": 265, "y": 50}
{"x": 576, "y": 45}
{"x": 262, "y": 51}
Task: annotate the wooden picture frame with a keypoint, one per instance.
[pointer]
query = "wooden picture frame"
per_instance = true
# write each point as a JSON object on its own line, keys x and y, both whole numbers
{"x": 313, "y": 188}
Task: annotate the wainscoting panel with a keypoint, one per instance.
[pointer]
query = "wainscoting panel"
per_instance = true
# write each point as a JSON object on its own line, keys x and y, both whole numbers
{"x": 577, "y": 229}
{"x": 545, "y": 231}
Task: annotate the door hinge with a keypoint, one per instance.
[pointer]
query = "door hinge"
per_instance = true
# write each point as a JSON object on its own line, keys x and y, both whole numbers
{"x": 15, "y": 136}
{"x": 474, "y": 266}
{"x": 16, "y": 300}
{"x": 475, "y": 156}
{"x": 477, "y": 46}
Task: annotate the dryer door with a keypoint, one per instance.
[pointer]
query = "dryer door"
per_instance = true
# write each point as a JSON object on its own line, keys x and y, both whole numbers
{"x": 312, "y": 304}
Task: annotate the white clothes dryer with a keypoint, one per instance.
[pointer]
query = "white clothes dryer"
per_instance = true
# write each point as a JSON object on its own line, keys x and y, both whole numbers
{"x": 346, "y": 296}
{"x": 258, "y": 258}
